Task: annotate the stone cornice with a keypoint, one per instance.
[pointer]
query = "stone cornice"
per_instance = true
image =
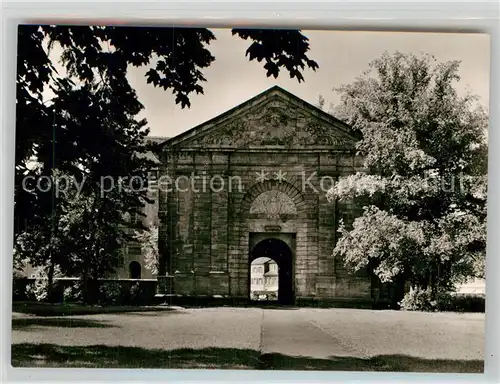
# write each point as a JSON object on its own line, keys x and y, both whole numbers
{"x": 268, "y": 149}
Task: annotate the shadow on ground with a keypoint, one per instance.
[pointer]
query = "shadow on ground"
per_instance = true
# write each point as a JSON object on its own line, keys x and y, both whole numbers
{"x": 153, "y": 313}
{"x": 270, "y": 305}
{"x": 47, "y": 309}
{"x": 64, "y": 322}
{"x": 99, "y": 356}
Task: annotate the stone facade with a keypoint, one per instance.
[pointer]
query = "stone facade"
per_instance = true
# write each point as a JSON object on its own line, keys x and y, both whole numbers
{"x": 258, "y": 172}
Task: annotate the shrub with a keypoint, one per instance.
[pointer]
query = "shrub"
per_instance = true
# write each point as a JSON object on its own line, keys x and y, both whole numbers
{"x": 419, "y": 299}
{"x": 73, "y": 292}
{"x": 272, "y": 296}
{"x": 471, "y": 302}
{"x": 110, "y": 293}
{"x": 39, "y": 289}
{"x": 134, "y": 293}
{"x": 30, "y": 292}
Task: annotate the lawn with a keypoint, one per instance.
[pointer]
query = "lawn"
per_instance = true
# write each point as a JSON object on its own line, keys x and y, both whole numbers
{"x": 251, "y": 338}
{"x": 101, "y": 356}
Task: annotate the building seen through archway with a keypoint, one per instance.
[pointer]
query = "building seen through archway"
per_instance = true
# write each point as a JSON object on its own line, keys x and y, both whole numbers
{"x": 264, "y": 279}
{"x": 271, "y": 260}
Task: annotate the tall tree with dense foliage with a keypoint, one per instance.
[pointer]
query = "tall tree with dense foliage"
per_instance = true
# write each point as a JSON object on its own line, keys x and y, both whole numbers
{"x": 77, "y": 223}
{"x": 424, "y": 189}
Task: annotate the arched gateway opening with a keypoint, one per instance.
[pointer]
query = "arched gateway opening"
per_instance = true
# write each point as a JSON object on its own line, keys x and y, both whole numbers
{"x": 279, "y": 252}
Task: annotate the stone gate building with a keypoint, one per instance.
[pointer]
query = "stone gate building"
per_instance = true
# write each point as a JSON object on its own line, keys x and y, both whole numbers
{"x": 252, "y": 182}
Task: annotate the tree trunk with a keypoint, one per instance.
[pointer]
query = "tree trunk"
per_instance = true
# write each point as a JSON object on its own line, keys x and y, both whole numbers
{"x": 399, "y": 291}
{"x": 50, "y": 282}
{"x": 85, "y": 286}
{"x": 86, "y": 291}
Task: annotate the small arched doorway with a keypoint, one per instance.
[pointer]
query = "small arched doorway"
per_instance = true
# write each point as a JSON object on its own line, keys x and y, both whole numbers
{"x": 278, "y": 251}
{"x": 134, "y": 270}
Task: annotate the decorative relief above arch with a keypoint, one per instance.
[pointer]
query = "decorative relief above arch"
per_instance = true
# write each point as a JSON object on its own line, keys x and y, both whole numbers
{"x": 273, "y": 204}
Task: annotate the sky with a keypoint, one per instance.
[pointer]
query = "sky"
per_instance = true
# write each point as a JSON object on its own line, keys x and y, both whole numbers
{"x": 341, "y": 55}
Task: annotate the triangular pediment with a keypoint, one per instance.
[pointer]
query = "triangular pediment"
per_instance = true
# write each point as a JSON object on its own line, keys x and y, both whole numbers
{"x": 273, "y": 119}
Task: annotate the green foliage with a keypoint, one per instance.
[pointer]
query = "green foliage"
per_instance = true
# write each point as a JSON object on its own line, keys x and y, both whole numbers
{"x": 420, "y": 299}
{"x": 149, "y": 243}
{"x": 135, "y": 293}
{"x": 468, "y": 303}
{"x": 424, "y": 188}
{"x": 278, "y": 49}
{"x": 110, "y": 293}
{"x": 42, "y": 288}
{"x": 73, "y": 293}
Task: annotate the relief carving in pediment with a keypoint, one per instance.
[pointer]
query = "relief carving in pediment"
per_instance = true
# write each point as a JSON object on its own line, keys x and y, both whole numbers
{"x": 274, "y": 125}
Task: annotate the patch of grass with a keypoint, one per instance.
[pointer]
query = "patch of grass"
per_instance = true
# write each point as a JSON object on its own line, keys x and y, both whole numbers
{"x": 101, "y": 356}
{"x": 382, "y": 363}
{"x": 47, "y": 309}
{"x": 64, "y": 322}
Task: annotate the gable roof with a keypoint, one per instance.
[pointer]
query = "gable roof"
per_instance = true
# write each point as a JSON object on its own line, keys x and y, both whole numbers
{"x": 152, "y": 155}
{"x": 273, "y": 92}
{"x": 156, "y": 139}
